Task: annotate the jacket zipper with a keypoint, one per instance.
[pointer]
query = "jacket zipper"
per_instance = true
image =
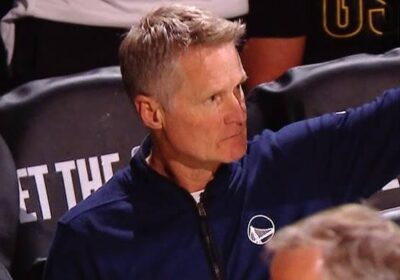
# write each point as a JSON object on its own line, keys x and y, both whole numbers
{"x": 207, "y": 240}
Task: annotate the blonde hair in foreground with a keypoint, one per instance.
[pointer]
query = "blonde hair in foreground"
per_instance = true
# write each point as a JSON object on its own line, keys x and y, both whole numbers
{"x": 149, "y": 52}
{"x": 356, "y": 242}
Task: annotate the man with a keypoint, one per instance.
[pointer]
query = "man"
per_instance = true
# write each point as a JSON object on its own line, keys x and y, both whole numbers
{"x": 347, "y": 242}
{"x": 184, "y": 76}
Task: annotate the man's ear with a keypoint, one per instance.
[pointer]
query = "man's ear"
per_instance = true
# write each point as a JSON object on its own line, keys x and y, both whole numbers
{"x": 149, "y": 110}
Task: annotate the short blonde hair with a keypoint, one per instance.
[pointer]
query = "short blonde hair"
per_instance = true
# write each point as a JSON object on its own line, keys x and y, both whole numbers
{"x": 356, "y": 242}
{"x": 149, "y": 52}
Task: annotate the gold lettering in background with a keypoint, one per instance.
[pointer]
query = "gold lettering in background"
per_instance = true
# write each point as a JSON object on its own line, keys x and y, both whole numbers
{"x": 376, "y": 12}
{"x": 342, "y": 14}
{"x": 342, "y": 26}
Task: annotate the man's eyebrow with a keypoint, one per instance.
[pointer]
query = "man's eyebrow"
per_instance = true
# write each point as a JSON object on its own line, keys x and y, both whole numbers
{"x": 242, "y": 81}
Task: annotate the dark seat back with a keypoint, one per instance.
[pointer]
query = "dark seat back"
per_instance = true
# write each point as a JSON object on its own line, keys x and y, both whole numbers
{"x": 4, "y": 275}
{"x": 312, "y": 90}
{"x": 68, "y": 135}
{"x": 9, "y": 207}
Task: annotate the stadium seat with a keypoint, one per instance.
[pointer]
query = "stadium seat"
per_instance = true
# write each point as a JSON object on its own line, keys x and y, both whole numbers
{"x": 4, "y": 274}
{"x": 9, "y": 208}
{"x": 68, "y": 135}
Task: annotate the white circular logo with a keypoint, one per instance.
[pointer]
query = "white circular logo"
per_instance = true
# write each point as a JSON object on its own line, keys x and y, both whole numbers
{"x": 260, "y": 229}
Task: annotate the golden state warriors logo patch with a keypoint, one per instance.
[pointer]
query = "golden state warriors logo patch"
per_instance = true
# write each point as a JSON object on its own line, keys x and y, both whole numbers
{"x": 260, "y": 229}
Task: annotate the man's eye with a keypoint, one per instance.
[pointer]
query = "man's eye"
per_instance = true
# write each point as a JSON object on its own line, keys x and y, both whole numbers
{"x": 214, "y": 98}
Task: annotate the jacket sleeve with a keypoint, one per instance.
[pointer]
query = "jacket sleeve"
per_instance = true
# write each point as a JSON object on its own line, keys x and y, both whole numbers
{"x": 340, "y": 157}
{"x": 352, "y": 153}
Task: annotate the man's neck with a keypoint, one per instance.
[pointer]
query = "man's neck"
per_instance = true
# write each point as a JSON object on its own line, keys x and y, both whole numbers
{"x": 189, "y": 178}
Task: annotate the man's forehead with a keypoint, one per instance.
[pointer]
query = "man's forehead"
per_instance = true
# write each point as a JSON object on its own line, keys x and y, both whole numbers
{"x": 203, "y": 51}
{"x": 210, "y": 60}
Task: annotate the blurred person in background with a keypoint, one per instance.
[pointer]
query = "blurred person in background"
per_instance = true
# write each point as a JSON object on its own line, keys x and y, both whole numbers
{"x": 347, "y": 242}
{"x": 287, "y": 33}
{"x": 58, "y": 37}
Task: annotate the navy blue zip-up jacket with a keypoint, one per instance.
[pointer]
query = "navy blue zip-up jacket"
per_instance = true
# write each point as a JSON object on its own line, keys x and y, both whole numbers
{"x": 140, "y": 225}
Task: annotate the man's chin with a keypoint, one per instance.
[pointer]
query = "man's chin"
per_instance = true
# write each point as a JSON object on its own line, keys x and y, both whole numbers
{"x": 236, "y": 154}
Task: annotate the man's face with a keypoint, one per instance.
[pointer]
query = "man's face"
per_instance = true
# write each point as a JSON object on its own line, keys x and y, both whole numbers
{"x": 205, "y": 123}
{"x": 302, "y": 263}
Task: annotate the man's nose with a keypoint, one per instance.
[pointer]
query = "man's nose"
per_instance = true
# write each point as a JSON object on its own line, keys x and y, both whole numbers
{"x": 236, "y": 111}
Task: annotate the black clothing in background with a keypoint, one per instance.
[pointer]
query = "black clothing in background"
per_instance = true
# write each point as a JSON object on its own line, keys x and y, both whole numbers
{"x": 46, "y": 48}
{"x": 5, "y": 6}
{"x": 332, "y": 28}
